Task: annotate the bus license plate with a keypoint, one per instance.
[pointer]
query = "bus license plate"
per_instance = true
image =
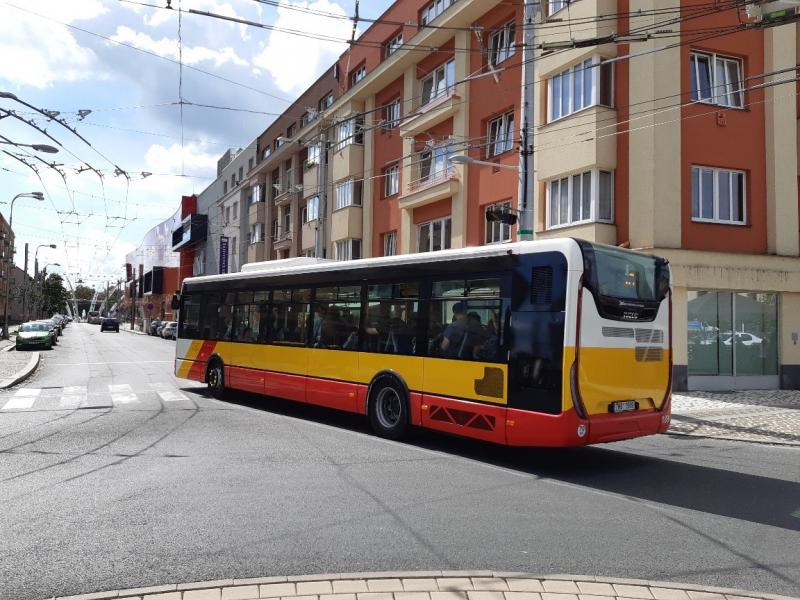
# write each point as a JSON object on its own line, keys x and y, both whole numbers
{"x": 623, "y": 406}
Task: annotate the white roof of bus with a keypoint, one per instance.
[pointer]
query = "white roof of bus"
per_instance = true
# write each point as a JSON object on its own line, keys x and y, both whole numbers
{"x": 567, "y": 246}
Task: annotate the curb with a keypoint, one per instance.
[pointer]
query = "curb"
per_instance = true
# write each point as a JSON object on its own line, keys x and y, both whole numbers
{"x": 701, "y": 436}
{"x": 395, "y": 585}
{"x": 23, "y": 374}
{"x": 132, "y": 331}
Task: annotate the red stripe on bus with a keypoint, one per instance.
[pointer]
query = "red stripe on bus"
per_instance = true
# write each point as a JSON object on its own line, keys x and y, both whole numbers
{"x": 526, "y": 428}
{"x": 340, "y": 395}
{"x": 283, "y": 385}
{"x": 247, "y": 380}
{"x": 460, "y": 417}
{"x": 197, "y": 372}
{"x": 612, "y": 427}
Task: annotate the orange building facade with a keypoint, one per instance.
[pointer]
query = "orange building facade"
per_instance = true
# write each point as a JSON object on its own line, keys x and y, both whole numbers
{"x": 683, "y": 144}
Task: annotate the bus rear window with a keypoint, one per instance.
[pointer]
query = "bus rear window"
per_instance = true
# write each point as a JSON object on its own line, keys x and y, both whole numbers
{"x": 625, "y": 275}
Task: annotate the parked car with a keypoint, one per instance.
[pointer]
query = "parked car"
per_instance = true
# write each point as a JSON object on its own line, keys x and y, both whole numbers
{"x": 170, "y": 330}
{"x": 52, "y": 328}
{"x": 35, "y": 334}
{"x": 160, "y": 328}
{"x": 110, "y": 324}
{"x": 152, "y": 329}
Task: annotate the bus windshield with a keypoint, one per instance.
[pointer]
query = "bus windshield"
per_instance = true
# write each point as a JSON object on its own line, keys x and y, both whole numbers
{"x": 625, "y": 275}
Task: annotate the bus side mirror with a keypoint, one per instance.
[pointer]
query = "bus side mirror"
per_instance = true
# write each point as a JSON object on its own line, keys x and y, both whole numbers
{"x": 176, "y": 302}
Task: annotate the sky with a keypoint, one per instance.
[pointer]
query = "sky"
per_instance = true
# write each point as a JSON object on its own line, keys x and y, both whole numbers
{"x": 118, "y": 59}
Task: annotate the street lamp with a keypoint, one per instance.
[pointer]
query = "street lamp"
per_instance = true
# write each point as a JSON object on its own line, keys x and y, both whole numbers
{"x": 10, "y": 259}
{"x": 38, "y": 147}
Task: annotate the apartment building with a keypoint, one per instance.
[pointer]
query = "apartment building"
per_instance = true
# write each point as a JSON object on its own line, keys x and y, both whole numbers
{"x": 6, "y": 262}
{"x": 683, "y": 144}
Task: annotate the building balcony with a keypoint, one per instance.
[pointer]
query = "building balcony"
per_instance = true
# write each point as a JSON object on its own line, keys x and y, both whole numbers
{"x": 346, "y": 223}
{"x": 347, "y": 161}
{"x": 257, "y": 212}
{"x": 430, "y": 114}
{"x": 256, "y": 252}
{"x": 308, "y": 234}
{"x": 286, "y": 196}
{"x": 283, "y": 240}
{"x": 310, "y": 176}
{"x": 436, "y": 186}
{"x": 601, "y": 233}
{"x": 192, "y": 230}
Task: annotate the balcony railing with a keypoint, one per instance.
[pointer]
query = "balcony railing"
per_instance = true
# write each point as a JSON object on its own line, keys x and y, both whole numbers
{"x": 432, "y": 178}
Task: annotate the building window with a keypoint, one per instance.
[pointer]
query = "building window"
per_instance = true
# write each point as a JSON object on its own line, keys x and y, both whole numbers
{"x": 274, "y": 230}
{"x": 433, "y": 10}
{"x": 390, "y": 243}
{"x": 311, "y": 210}
{"x": 233, "y": 180}
{"x": 233, "y": 252}
{"x": 291, "y": 131}
{"x": 227, "y": 215}
{"x": 276, "y": 184}
{"x": 308, "y": 117}
{"x": 347, "y": 193}
{"x": 391, "y": 114}
{"x": 589, "y": 83}
{"x": 501, "y": 44}
{"x": 553, "y": 6}
{"x": 393, "y": 45}
{"x": 501, "y": 135}
{"x": 235, "y": 211}
{"x": 391, "y": 181}
{"x": 326, "y": 101}
{"x": 265, "y": 154}
{"x": 256, "y": 194}
{"x": 241, "y": 174}
{"x": 497, "y": 232}
{"x": 310, "y": 252}
{"x": 716, "y": 80}
{"x": 287, "y": 222}
{"x": 434, "y": 235}
{"x": 358, "y": 74}
{"x": 288, "y": 176}
{"x": 314, "y": 152}
{"x": 225, "y": 186}
{"x": 347, "y": 250}
{"x": 581, "y": 198}
{"x": 249, "y": 164}
{"x": 349, "y": 131}
{"x": 718, "y": 195}
{"x": 439, "y": 83}
{"x": 434, "y": 164}
{"x": 256, "y": 233}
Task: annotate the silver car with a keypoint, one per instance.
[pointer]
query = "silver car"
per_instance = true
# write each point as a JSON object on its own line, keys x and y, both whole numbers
{"x": 170, "y": 331}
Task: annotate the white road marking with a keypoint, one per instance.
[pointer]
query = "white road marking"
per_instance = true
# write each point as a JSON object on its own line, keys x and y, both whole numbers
{"x": 171, "y": 396}
{"x": 122, "y": 393}
{"x": 24, "y": 398}
{"x": 73, "y": 396}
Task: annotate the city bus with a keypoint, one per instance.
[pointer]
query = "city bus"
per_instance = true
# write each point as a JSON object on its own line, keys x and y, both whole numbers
{"x": 554, "y": 343}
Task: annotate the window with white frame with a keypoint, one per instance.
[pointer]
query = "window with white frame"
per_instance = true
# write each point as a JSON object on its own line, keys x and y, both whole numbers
{"x": 718, "y": 195}
{"x": 390, "y": 243}
{"x": 256, "y": 194}
{"x": 716, "y": 80}
{"x": 358, "y": 74}
{"x": 287, "y": 222}
{"x": 391, "y": 114}
{"x": 391, "y": 181}
{"x": 349, "y": 131}
{"x": 553, "y": 6}
{"x": 308, "y": 117}
{"x": 588, "y": 83}
{"x": 439, "y": 83}
{"x": 314, "y": 152}
{"x": 312, "y": 209}
{"x": 347, "y": 250}
{"x": 265, "y": 154}
{"x": 434, "y": 235}
{"x": 227, "y": 215}
{"x": 501, "y": 135}
{"x": 393, "y": 45}
{"x": 581, "y": 198}
{"x": 274, "y": 229}
{"x": 501, "y": 44}
{"x": 326, "y": 101}
{"x": 235, "y": 211}
{"x": 497, "y": 232}
{"x": 347, "y": 193}
{"x": 433, "y": 10}
{"x": 256, "y": 233}
{"x": 434, "y": 164}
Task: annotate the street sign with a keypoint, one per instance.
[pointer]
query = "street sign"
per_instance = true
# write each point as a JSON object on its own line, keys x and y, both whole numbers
{"x": 223, "y": 254}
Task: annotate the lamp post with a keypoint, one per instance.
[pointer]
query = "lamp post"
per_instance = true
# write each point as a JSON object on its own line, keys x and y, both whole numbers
{"x": 10, "y": 258}
{"x": 38, "y": 147}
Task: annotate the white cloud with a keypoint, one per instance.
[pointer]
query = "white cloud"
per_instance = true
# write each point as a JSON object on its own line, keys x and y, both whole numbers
{"x": 196, "y": 161}
{"x": 168, "y": 47}
{"x": 37, "y": 52}
{"x": 294, "y": 61}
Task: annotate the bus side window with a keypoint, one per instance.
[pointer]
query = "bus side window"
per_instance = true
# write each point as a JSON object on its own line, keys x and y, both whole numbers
{"x": 337, "y": 317}
{"x": 390, "y": 321}
{"x": 210, "y": 317}
{"x": 190, "y": 316}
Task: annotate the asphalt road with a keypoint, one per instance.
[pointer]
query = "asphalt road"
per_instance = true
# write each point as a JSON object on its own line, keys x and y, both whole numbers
{"x": 151, "y": 481}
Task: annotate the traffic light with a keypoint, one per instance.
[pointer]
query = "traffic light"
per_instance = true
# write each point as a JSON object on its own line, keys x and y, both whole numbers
{"x": 498, "y": 215}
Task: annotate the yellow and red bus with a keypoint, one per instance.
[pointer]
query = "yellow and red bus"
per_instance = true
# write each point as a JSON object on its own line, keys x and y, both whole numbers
{"x": 549, "y": 343}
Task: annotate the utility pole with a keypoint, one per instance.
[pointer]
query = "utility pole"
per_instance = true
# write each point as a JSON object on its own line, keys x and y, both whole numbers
{"x": 527, "y": 178}
{"x": 25, "y": 286}
{"x": 322, "y": 187}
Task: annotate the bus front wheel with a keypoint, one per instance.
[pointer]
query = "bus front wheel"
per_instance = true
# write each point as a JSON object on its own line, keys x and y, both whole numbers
{"x": 216, "y": 379}
{"x": 388, "y": 410}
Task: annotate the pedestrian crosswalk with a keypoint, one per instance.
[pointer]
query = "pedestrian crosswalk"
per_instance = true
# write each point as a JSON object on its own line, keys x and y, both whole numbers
{"x": 124, "y": 395}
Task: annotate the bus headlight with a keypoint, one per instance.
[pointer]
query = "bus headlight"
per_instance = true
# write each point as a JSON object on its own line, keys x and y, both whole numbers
{"x": 581, "y": 430}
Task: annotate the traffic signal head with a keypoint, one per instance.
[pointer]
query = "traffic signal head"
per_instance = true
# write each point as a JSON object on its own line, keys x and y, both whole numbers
{"x": 496, "y": 215}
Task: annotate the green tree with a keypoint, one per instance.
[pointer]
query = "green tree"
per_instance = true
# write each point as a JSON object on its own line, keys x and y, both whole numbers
{"x": 54, "y": 294}
{"x": 83, "y": 298}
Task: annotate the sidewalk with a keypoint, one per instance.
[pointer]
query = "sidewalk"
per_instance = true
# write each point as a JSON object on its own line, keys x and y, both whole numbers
{"x": 15, "y": 366}
{"x": 431, "y": 585}
{"x": 768, "y": 416}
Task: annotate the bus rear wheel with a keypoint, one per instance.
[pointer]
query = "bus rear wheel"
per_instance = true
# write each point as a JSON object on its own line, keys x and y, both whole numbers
{"x": 388, "y": 410}
{"x": 216, "y": 379}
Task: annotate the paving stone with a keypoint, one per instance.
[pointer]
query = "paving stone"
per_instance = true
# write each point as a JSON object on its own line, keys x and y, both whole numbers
{"x": 199, "y": 585}
{"x": 313, "y": 588}
{"x": 154, "y": 589}
{"x": 560, "y": 587}
{"x": 242, "y": 592}
{"x": 485, "y": 595}
{"x": 94, "y": 596}
{"x": 449, "y": 595}
{"x": 375, "y": 596}
{"x": 454, "y": 583}
{"x": 633, "y": 591}
{"x": 705, "y": 595}
{"x": 524, "y": 585}
{"x": 489, "y": 584}
{"x": 337, "y": 597}
{"x": 595, "y": 589}
{"x": 522, "y": 596}
{"x": 593, "y": 597}
{"x": 734, "y": 597}
{"x": 424, "y": 584}
{"x": 411, "y": 596}
{"x": 207, "y": 594}
{"x": 555, "y": 596}
{"x": 164, "y": 596}
{"x": 385, "y": 585}
{"x": 259, "y": 580}
{"x": 660, "y": 593}
{"x": 309, "y": 597}
{"x": 276, "y": 590}
{"x": 350, "y": 586}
